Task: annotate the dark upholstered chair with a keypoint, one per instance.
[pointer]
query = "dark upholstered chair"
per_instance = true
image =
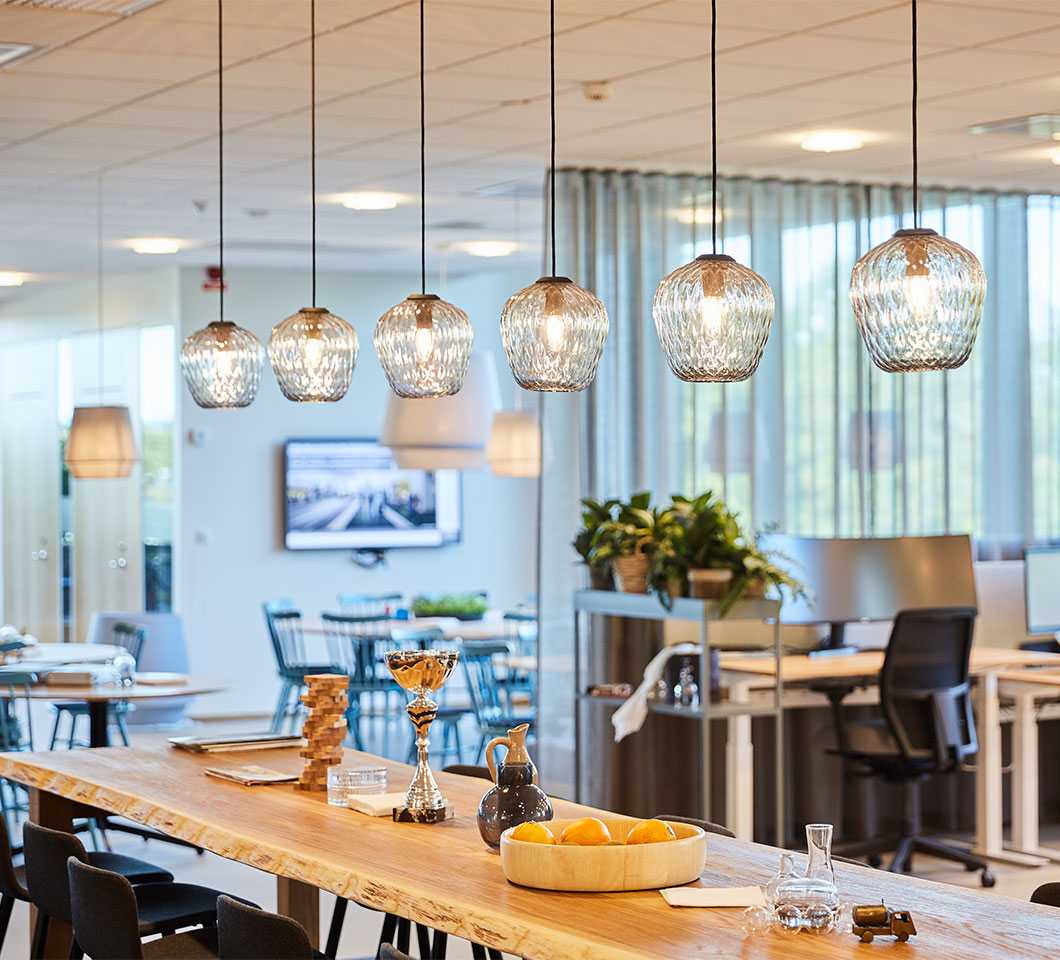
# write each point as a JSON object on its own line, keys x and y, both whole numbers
{"x": 924, "y": 727}
{"x": 105, "y": 912}
{"x": 1048, "y": 894}
{"x": 247, "y": 933}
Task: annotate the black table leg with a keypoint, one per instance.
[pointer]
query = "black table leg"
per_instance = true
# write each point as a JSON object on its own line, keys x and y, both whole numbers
{"x": 98, "y": 715}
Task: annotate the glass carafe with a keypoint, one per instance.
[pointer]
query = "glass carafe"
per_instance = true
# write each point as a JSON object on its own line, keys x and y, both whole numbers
{"x": 810, "y": 902}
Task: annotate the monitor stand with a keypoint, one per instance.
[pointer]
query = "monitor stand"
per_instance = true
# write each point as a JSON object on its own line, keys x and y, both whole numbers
{"x": 833, "y": 645}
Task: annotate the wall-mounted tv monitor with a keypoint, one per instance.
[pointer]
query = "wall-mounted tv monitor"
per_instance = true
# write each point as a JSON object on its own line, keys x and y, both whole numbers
{"x": 350, "y": 495}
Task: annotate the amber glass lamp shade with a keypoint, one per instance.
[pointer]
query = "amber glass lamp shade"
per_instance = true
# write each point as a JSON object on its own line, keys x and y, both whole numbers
{"x": 424, "y": 346}
{"x": 918, "y": 299}
{"x": 101, "y": 444}
{"x": 313, "y": 353}
{"x": 554, "y": 334}
{"x": 713, "y": 317}
{"x": 222, "y": 365}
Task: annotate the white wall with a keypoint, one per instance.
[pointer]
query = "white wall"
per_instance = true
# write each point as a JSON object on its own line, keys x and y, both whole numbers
{"x": 230, "y": 556}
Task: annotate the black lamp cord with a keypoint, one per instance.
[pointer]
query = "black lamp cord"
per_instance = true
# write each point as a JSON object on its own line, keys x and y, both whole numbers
{"x": 916, "y": 91}
{"x": 713, "y": 125}
{"x": 423, "y": 153}
{"x": 313, "y": 131}
{"x": 552, "y": 116}
{"x": 221, "y": 154}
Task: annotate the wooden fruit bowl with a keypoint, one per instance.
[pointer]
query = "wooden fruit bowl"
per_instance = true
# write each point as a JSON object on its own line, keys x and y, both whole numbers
{"x": 605, "y": 869}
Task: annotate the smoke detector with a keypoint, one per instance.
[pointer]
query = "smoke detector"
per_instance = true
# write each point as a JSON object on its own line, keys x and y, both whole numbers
{"x": 597, "y": 90}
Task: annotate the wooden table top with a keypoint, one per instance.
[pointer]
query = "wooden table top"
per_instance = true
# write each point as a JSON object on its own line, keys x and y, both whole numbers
{"x": 800, "y": 668}
{"x": 444, "y": 876}
{"x": 1046, "y": 677}
{"x": 192, "y": 687}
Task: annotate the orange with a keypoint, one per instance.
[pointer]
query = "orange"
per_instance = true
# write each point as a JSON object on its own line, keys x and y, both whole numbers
{"x": 587, "y": 832}
{"x": 651, "y": 831}
{"x": 532, "y": 832}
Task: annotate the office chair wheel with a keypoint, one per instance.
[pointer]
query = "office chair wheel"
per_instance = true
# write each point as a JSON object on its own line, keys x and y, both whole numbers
{"x": 874, "y": 860}
{"x": 987, "y": 879}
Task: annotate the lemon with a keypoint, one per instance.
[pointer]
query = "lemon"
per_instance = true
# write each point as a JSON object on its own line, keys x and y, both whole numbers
{"x": 650, "y": 831}
{"x": 531, "y": 832}
{"x": 587, "y": 832}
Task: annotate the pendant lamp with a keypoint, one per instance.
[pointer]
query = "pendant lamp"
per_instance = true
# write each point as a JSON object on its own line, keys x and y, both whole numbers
{"x": 313, "y": 352}
{"x": 445, "y": 433}
{"x": 918, "y": 297}
{"x": 554, "y": 331}
{"x": 713, "y": 315}
{"x": 101, "y": 444}
{"x": 424, "y": 343}
{"x": 514, "y": 448}
{"x": 222, "y": 362}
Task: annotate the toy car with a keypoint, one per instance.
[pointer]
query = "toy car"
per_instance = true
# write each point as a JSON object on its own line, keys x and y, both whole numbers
{"x": 876, "y": 920}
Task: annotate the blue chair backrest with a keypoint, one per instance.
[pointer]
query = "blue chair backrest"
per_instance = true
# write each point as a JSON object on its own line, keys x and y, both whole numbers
{"x": 16, "y": 733}
{"x": 356, "y": 643}
{"x": 488, "y": 697}
{"x": 376, "y": 605}
{"x": 130, "y": 637}
{"x": 285, "y": 633}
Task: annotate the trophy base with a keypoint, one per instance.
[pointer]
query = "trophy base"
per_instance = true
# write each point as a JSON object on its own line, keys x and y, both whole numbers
{"x": 405, "y": 815}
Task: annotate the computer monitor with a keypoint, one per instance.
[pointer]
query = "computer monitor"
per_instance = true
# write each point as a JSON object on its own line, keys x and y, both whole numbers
{"x": 1041, "y": 577}
{"x": 852, "y": 580}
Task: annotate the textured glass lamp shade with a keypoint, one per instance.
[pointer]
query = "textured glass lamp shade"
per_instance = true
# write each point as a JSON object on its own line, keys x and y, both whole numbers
{"x": 313, "y": 353}
{"x": 554, "y": 334}
{"x": 445, "y": 433}
{"x": 424, "y": 345}
{"x": 101, "y": 444}
{"x": 222, "y": 365}
{"x": 712, "y": 317}
{"x": 514, "y": 449}
{"x": 918, "y": 299}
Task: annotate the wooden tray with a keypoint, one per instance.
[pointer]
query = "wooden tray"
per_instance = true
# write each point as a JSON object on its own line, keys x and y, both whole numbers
{"x": 605, "y": 869}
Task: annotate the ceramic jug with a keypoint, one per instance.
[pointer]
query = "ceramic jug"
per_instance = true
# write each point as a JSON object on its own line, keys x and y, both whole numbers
{"x": 515, "y": 796}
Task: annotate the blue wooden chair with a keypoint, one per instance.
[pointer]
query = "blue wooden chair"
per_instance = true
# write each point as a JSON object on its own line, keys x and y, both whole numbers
{"x": 129, "y": 637}
{"x": 288, "y": 646}
{"x": 16, "y": 735}
{"x": 486, "y": 674}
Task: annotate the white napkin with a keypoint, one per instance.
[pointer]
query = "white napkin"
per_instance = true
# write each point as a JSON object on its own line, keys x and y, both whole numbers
{"x": 714, "y": 896}
{"x": 375, "y": 804}
{"x": 630, "y": 717}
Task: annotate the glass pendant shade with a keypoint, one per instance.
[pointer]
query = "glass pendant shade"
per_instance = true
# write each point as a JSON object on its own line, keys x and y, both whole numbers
{"x": 424, "y": 346}
{"x": 514, "y": 448}
{"x": 712, "y": 317}
{"x": 918, "y": 299}
{"x": 222, "y": 365}
{"x": 554, "y": 334}
{"x": 101, "y": 444}
{"x": 313, "y": 353}
{"x": 445, "y": 433}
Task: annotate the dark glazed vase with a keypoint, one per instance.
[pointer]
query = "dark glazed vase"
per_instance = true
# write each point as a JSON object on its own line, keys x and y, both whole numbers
{"x": 515, "y": 796}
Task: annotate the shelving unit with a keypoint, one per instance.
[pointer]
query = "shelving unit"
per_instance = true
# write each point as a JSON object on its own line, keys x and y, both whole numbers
{"x": 631, "y": 606}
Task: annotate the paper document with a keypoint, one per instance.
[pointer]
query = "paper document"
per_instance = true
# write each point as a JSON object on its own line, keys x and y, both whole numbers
{"x": 714, "y": 896}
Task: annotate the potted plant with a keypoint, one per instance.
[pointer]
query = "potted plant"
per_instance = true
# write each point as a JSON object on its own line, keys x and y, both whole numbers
{"x": 707, "y": 544}
{"x": 758, "y": 570}
{"x": 595, "y": 513}
{"x": 630, "y": 541}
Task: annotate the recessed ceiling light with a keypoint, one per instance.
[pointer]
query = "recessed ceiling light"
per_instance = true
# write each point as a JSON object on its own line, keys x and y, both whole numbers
{"x": 1056, "y": 157}
{"x": 367, "y": 200}
{"x": 490, "y": 248}
{"x": 832, "y": 141}
{"x": 8, "y": 278}
{"x": 154, "y": 245}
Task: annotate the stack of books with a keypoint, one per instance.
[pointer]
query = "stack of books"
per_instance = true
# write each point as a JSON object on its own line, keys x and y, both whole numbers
{"x": 237, "y": 742}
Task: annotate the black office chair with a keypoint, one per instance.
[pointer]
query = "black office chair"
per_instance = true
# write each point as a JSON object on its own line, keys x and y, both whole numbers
{"x": 105, "y": 915}
{"x": 925, "y": 727}
{"x": 163, "y": 906}
{"x": 1047, "y": 894}
{"x": 703, "y": 824}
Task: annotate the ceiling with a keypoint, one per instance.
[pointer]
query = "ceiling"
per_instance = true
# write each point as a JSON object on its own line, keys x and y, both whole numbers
{"x": 132, "y": 95}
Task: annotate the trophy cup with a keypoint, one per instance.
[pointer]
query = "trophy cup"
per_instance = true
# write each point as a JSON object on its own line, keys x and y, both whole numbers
{"x": 422, "y": 672}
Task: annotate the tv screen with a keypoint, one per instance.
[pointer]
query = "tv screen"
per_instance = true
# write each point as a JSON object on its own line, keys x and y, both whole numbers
{"x": 350, "y": 495}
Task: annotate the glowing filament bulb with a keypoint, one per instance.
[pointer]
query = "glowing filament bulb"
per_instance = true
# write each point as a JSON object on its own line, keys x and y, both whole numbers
{"x": 556, "y": 320}
{"x": 424, "y": 341}
{"x": 712, "y": 315}
{"x": 224, "y": 363}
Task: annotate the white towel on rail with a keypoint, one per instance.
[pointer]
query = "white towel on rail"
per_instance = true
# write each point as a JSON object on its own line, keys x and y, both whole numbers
{"x": 630, "y": 717}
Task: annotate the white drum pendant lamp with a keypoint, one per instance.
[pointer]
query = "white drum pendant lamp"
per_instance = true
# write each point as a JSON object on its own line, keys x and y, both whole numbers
{"x": 514, "y": 448}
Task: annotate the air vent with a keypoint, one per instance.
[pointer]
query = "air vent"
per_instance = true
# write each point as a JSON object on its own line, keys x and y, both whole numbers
{"x": 459, "y": 226}
{"x": 120, "y": 8}
{"x": 1038, "y": 126}
{"x": 10, "y": 52}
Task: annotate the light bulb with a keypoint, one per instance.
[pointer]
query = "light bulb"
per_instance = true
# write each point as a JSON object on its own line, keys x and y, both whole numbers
{"x": 555, "y": 319}
{"x": 313, "y": 349}
{"x": 919, "y": 293}
{"x": 223, "y": 364}
{"x": 424, "y": 342}
{"x": 711, "y": 315}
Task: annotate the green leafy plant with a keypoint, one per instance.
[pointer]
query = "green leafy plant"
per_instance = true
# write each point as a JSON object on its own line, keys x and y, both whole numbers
{"x": 638, "y": 528}
{"x": 463, "y": 606}
{"x": 595, "y": 513}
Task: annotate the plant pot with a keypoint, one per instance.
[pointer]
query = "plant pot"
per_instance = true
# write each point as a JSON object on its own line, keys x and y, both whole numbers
{"x": 709, "y": 584}
{"x": 756, "y": 590}
{"x": 601, "y": 578}
{"x": 631, "y": 573}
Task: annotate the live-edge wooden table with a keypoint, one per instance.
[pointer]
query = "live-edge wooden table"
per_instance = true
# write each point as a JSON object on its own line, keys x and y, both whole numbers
{"x": 445, "y": 877}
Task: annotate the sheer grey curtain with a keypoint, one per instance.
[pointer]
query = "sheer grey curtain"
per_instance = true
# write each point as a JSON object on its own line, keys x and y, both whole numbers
{"x": 818, "y": 442}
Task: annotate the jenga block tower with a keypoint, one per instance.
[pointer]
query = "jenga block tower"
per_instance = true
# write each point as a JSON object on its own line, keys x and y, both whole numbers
{"x": 324, "y": 728}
